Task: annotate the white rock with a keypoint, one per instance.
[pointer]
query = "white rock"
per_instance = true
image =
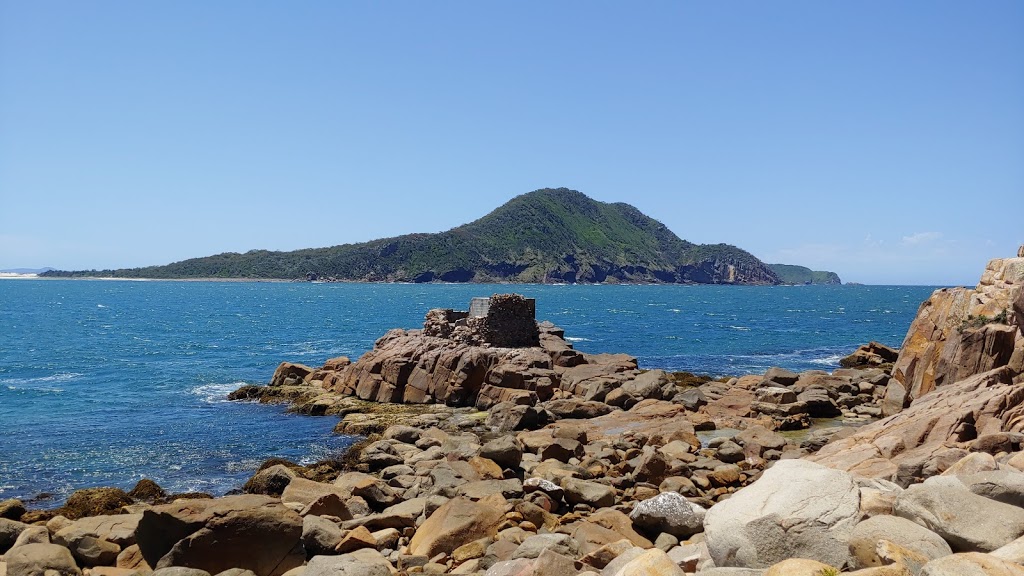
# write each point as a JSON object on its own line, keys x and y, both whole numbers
{"x": 796, "y": 509}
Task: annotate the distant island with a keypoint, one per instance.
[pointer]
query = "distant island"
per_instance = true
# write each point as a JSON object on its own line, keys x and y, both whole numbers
{"x": 546, "y": 236}
{"x": 790, "y": 274}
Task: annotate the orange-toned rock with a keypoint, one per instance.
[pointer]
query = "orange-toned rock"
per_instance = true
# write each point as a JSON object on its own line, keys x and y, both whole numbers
{"x": 983, "y": 404}
{"x": 459, "y": 521}
{"x": 959, "y": 331}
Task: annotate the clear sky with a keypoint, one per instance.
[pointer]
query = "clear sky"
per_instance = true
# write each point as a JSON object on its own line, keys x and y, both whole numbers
{"x": 882, "y": 140}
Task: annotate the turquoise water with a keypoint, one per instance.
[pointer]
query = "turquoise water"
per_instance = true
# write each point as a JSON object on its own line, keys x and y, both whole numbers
{"x": 107, "y": 382}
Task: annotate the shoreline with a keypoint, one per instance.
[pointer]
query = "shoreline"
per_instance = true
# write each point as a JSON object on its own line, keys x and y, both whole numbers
{"x": 432, "y": 283}
{"x": 512, "y": 453}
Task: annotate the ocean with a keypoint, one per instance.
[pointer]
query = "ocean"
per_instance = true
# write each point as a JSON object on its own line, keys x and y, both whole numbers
{"x": 103, "y": 383}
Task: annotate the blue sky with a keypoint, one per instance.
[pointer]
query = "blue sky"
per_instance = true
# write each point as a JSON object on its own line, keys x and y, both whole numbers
{"x": 881, "y": 140}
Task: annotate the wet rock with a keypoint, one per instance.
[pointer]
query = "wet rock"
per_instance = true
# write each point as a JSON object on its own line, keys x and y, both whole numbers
{"x": 95, "y": 502}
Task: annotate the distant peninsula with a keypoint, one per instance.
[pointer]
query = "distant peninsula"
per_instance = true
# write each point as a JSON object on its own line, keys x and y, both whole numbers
{"x": 545, "y": 236}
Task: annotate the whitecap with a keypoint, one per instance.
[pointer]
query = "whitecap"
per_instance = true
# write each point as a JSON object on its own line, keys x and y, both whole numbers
{"x": 827, "y": 360}
{"x": 100, "y": 306}
{"x": 214, "y": 392}
{"x": 58, "y": 377}
{"x": 577, "y": 339}
{"x": 676, "y": 310}
{"x": 740, "y": 328}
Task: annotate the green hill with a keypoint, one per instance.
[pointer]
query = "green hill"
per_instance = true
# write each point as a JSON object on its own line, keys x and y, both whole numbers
{"x": 549, "y": 235}
{"x": 790, "y": 274}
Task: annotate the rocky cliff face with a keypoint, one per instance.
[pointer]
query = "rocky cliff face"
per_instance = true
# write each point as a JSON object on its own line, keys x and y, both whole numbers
{"x": 959, "y": 331}
{"x": 956, "y": 386}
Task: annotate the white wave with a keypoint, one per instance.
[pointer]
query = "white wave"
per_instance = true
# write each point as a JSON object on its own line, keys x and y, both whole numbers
{"x": 216, "y": 392}
{"x": 676, "y": 310}
{"x": 740, "y": 328}
{"x": 100, "y": 306}
{"x": 58, "y": 377}
{"x": 577, "y": 339}
{"x": 827, "y": 360}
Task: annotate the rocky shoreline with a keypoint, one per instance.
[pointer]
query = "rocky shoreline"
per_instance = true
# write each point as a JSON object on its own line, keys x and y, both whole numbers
{"x": 493, "y": 447}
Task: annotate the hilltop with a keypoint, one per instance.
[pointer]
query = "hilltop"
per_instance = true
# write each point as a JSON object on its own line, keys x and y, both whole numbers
{"x": 549, "y": 235}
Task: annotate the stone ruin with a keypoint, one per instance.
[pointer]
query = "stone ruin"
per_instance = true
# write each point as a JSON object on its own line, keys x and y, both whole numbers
{"x": 502, "y": 321}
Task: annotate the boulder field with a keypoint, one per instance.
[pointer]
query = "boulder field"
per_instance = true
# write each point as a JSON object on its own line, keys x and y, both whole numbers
{"x": 541, "y": 460}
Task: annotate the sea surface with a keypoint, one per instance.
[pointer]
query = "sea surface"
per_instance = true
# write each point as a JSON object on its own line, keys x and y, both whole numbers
{"x": 103, "y": 383}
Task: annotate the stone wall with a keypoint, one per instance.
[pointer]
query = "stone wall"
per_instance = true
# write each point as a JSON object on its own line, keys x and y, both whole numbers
{"x": 510, "y": 322}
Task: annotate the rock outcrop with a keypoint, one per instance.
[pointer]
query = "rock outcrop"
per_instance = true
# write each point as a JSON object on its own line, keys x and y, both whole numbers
{"x": 956, "y": 385}
{"x": 959, "y": 331}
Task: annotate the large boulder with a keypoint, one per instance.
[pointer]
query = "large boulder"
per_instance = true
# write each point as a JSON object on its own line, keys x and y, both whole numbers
{"x": 459, "y": 521}
{"x": 795, "y": 509}
{"x": 9, "y": 532}
{"x": 116, "y": 528}
{"x": 968, "y": 522}
{"x": 319, "y": 535}
{"x": 41, "y": 560}
{"x": 900, "y": 531}
{"x": 870, "y": 354}
{"x": 257, "y": 533}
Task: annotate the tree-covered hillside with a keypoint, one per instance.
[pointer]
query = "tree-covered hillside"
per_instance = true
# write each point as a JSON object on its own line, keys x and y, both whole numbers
{"x": 549, "y": 235}
{"x": 790, "y": 274}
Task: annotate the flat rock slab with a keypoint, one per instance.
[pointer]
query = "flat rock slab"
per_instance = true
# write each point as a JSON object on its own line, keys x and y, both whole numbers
{"x": 989, "y": 402}
{"x": 971, "y": 564}
{"x": 970, "y": 523}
